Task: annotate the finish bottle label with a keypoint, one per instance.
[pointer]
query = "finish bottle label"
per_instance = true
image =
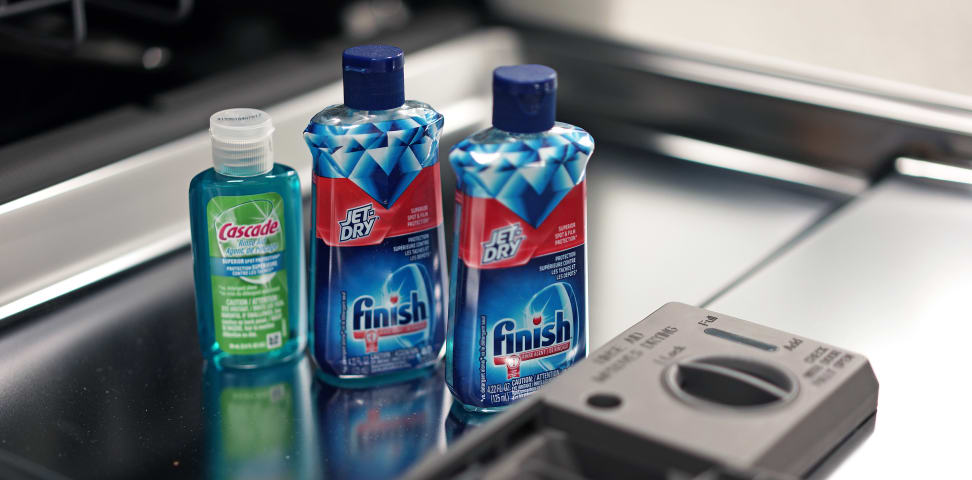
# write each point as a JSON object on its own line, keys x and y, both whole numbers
{"x": 378, "y": 255}
{"x": 519, "y": 318}
{"x": 377, "y": 309}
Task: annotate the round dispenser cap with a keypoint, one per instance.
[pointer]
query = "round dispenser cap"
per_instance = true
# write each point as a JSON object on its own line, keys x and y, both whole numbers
{"x": 374, "y": 77}
{"x": 242, "y": 142}
{"x": 524, "y": 98}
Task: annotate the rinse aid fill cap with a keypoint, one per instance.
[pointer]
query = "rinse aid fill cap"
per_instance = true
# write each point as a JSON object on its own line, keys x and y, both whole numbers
{"x": 374, "y": 77}
{"x": 242, "y": 141}
{"x": 524, "y": 98}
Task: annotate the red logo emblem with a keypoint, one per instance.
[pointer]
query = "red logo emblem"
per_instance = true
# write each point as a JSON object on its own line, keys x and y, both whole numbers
{"x": 512, "y": 366}
{"x": 371, "y": 341}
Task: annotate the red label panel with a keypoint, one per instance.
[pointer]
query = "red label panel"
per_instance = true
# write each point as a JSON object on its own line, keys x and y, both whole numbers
{"x": 418, "y": 208}
{"x": 492, "y": 236}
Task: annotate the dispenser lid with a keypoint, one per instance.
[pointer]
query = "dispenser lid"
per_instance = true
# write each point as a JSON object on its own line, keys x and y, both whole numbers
{"x": 242, "y": 141}
{"x": 374, "y": 77}
{"x": 524, "y": 98}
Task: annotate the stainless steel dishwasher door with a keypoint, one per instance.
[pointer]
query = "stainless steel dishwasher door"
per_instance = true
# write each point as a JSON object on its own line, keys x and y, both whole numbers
{"x": 889, "y": 276}
{"x": 664, "y": 230}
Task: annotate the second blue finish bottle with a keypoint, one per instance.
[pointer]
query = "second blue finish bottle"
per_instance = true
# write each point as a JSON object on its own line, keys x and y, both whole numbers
{"x": 519, "y": 316}
{"x": 377, "y": 243}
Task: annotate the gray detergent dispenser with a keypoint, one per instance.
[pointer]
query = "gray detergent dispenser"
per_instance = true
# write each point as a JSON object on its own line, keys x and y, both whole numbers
{"x": 686, "y": 393}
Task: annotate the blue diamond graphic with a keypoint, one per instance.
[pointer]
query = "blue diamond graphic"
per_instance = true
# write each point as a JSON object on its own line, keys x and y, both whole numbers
{"x": 530, "y": 176}
{"x": 382, "y": 158}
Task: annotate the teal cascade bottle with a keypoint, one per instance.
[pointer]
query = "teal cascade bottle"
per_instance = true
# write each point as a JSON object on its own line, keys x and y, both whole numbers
{"x": 247, "y": 245}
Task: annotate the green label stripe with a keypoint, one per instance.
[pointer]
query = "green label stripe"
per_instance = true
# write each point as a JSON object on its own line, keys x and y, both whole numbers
{"x": 247, "y": 252}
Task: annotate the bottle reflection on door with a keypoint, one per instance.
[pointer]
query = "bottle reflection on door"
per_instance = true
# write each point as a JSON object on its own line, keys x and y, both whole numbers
{"x": 258, "y": 422}
{"x": 380, "y": 431}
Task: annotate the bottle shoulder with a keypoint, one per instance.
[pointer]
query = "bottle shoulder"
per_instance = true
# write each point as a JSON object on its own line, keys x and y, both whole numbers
{"x": 281, "y": 170}
{"x": 493, "y": 160}
{"x": 211, "y": 179}
{"x": 201, "y": 178}
{"x": 493, "y": 138}
{"x": 344, "y": 116}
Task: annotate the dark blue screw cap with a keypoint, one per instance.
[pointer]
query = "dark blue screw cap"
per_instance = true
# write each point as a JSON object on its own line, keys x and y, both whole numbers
{"x": 524, "y": 98}
{"x": 374, "y": 78}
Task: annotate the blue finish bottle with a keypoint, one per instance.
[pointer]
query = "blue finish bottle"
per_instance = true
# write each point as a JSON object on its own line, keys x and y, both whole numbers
{"x": 377, "y": 243}
{"x": 519, "y": 316}
{"x": 247, "y": 246}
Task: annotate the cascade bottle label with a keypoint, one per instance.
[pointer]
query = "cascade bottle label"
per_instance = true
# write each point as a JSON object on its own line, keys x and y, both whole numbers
{"x": 247, "y": 253}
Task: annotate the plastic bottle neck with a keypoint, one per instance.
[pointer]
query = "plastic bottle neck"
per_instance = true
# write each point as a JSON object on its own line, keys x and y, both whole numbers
{"x": 521, "y": 134}
{"x": 242, "y": 140}
{"x": 236, "y": 160}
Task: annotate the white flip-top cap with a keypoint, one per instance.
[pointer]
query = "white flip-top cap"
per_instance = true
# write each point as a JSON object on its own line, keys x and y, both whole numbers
{"x": 242, "y": 142}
